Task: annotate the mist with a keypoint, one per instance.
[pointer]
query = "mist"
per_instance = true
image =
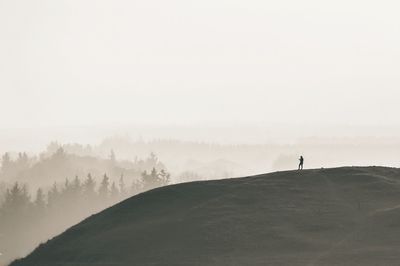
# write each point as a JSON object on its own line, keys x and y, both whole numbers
{"x": 69, "y": 63}
{"x": 142, "y": 94}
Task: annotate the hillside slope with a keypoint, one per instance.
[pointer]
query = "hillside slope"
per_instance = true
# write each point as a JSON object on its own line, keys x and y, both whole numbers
{"x": 341, "y": 216}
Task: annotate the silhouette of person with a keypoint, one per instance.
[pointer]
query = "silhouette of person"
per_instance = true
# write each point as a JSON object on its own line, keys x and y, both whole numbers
{"x": 301, "y": 163}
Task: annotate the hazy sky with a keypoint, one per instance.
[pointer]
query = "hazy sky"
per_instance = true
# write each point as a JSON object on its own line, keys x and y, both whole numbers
{"x": 78, "y": 62}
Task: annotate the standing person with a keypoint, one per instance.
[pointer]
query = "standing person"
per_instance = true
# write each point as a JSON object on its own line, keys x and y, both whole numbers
{"x": 301, "y": 162}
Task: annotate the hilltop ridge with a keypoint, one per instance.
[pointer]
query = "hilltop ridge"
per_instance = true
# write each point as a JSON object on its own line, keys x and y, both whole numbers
{"x": 338, "y": 216}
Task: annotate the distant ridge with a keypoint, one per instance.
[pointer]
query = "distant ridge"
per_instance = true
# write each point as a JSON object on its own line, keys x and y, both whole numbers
{"x": 339, "y": 216}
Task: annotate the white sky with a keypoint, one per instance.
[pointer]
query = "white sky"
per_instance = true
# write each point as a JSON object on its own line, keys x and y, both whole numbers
{"x": 80, "y": 62}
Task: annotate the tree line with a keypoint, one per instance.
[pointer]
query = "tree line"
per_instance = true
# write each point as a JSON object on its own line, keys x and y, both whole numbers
{"x": 26, "y": 220}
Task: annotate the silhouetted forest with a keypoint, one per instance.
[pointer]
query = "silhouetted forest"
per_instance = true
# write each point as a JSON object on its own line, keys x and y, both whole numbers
{"x": 26, "y": 218}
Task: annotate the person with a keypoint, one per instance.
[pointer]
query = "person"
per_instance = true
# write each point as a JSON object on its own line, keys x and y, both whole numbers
{"x": 301, "y": 162}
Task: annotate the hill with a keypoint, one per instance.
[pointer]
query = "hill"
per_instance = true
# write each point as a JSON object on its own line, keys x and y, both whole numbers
{"x": 340, "y": 216}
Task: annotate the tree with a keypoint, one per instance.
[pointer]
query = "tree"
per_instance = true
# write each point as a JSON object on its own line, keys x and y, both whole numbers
{"x": 122, "y": 189}
{"x": 60, "y": 154}
{"x": 103, "y": 189}
{"x": 15, "y": 217}
{"x": 164, "y": 177}
{"x": 17, "y": 200}
{"x": 89, "y": 188}
{"x": 150, "y": 181}
{"x": 23, "y": 160}
{"x": 6, "y": 163}
{"x": 114, "y": 193}
{"x": 76, "y": 188}
{"x": 68, "y": 189}
{"x": 155, "y": 179}
{"x": 40, "y": 203}
{"x": 89, "y": 184}
{"x": 53, "y": 197}
{"x": 52, "y": 148}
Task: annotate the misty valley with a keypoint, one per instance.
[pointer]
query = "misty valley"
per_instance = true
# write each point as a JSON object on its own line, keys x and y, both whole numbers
{"x": 43, "y": 194}
{"x": 199, "y": 133}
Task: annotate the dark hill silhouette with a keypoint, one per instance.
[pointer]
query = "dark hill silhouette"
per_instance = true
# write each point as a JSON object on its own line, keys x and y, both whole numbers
{"x": 340, "y": 216}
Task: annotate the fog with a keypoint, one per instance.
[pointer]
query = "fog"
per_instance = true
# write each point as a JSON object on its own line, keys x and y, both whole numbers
{"x": 189, "y": 62}
{"x": 195, "y": 90}
{"x": 83, "y": 178}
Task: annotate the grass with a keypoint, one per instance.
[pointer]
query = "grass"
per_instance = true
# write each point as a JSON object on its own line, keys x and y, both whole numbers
{"x": 339, "y": 216}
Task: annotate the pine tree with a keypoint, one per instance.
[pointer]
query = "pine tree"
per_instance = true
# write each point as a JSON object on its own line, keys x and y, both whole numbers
{"x": 67, "y": 192}
{"x": 23, "y": 160}
{"x": 89, "y": 183}
{"x": 17, "y": 200}
{"x": 89, "y": 189}
{"x": 122, "y": 189}
{"x": 6, "y": 163}
{"x": 53, "y": 197}
{"x": 103, "y": 189}
{"x": 114, "y": 193}
{"x": 150, "y": 181}
{"x": 76, "y": 188}
{"x": 15, "y": 219}
{"x": 40, "y": 203}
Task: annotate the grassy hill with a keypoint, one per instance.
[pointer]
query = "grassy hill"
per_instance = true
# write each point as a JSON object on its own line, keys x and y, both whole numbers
{"x": 341, "y": 216}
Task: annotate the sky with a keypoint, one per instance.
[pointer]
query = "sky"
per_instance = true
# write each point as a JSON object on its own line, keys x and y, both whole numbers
{"x": 209, "y": 62}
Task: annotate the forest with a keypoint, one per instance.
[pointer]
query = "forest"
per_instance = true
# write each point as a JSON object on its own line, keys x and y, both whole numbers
{"x": 30, "y": 216}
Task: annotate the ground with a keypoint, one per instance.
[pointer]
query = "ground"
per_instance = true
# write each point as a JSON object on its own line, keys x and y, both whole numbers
{"x": 340, "y": 216}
